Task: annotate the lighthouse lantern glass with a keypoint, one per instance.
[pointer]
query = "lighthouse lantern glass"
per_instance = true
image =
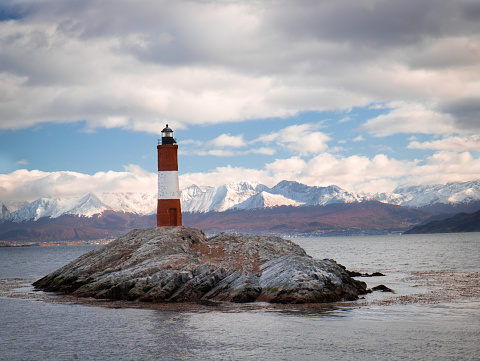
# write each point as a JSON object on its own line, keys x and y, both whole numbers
{"x": 167, "y": 136}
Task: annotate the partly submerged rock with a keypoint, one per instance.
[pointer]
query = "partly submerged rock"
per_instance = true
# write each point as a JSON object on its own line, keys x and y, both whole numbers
{"x": 181, "y": 264}
{"x": 382, "y": 288}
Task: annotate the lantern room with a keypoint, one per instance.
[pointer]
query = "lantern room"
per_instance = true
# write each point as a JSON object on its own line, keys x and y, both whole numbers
{"x": 167, "y": 136}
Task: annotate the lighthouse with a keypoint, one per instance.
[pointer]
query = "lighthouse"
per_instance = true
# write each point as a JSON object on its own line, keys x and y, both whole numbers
{"x": 169, "y": 211}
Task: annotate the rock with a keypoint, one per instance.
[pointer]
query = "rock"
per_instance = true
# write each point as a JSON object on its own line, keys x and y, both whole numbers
{"x": 358, "y": 274}
{"x": 353, "y": 273}
{"x": 181, "y": 264}
{"x": 382, "y": 288}
{"x": 374, "y": 274}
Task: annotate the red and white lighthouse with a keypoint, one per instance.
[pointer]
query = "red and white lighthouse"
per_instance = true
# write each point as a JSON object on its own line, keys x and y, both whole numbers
{"x": 169, "y": 211}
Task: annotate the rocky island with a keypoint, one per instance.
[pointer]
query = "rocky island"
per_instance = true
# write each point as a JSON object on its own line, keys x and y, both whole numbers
{"x": 178, "y": 264}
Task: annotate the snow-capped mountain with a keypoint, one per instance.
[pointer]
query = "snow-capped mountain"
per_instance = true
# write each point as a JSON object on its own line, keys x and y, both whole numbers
{"x": 313, "y": 196}
{"x": 249, "y": 195}
{"x": 246, "y": 195}
{"x": 7, "y": 208}
{"x": 428, "y": 195}
{"x": 218, "y": 199}
{"x": 266, "y": 200}
{"x": 131, "y": 202}
{"x": 238, "y": 195}
{"x": 190, "y": 192}
{"x": 86, "y": 205}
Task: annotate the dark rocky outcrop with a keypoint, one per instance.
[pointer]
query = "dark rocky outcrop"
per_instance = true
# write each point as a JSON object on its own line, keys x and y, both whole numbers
{"x": 181, "y": 264}
{"x": 359, "y": 274}
{"x": 382, "y": 288}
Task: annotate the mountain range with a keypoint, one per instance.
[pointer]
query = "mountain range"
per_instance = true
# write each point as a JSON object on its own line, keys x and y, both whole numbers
{"x": 438, "y": 198}
{"x": 248, "y": 206}
{"x": 86, "y": 206}
{"x": 450, "y": 198}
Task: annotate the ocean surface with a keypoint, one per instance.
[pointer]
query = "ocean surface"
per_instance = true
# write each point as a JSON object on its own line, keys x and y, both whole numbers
{"x": 434, "y": 313}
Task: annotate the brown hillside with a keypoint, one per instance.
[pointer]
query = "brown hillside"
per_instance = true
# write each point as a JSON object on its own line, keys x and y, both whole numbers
{"x": 347, "y": 218}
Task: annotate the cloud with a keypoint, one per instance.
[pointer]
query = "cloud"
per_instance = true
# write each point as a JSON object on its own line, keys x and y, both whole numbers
{"x": 456, "y": 144}
{"x": 232, "y": 153}
{"x": 445, "y": 167}
{"x": 291, "y": 166}
{"x": 227, "y": 140}
{"x": 465, "y": 111}
{"x": 225, "y": 175}
{"x": 409, "y": 118}
{"x": 301, "y": 139}
{"x": 22, "y": 162}
{"x": 139, "y": 65}
{"x": 30, "y": 185}
{"x": 345, "y": 119}
{"x": 218, "y": 152}
{"x": 262, "y": 150}
{"x": 355, "y": 173}
{"x": 219, "y": 143}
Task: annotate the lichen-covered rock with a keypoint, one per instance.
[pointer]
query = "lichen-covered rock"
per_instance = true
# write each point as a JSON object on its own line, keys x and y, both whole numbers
{"x": 181, "y": 264}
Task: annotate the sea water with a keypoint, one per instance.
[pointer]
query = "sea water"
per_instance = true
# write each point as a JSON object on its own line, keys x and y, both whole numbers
{"x": 434, "y": 313}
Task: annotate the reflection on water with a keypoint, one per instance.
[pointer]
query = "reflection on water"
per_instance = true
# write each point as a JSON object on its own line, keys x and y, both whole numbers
{"x": 434, "y": 314}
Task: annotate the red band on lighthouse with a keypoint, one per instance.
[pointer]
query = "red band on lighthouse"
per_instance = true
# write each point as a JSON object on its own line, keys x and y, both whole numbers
{"x": 169, "y": 211}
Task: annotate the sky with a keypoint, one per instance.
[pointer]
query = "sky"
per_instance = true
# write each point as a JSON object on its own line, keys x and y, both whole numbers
{"x": 366, "y": 95}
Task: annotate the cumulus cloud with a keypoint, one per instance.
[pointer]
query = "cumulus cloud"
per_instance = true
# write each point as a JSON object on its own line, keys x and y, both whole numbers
{"x": 409, "y": 118}
{"x": 139, "y": 65}
{"x": 225, "y": 175}
{"x": 446, "y": 166}
{"x": 353, "y": 173}
{"x": 263, "y": 150}
{"x": 301, "y": 139}
{"x": 290, "y": 167}
{"x": 356, "y": 173}
{"x": 227, "y": 140}
{"x": 456, "y": 144}
{"x": 229, "y": 152}
{"x": 29, "y": 185}
{"x": 220, "y": 143}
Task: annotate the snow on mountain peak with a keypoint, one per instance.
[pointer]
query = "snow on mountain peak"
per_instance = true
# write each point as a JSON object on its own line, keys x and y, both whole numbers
{"x": 218, "y": 199}
{"x": 266, "y": 200}
{"x": 190, "y": 192}
{"x": 243, "y": 195}
{"x": 313, "y": 196}
{"x": 424, "y": 195}
{"x": 250, "y": 195}
{"x": 130, "y": 202}
{"x": 86, "y": 205}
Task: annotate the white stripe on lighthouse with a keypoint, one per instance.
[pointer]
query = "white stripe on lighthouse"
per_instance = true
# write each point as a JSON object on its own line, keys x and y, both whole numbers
{"x": 168, "y": 185}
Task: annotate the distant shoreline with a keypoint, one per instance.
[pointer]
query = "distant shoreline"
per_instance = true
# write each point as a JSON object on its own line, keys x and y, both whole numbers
{"x": 52, "y": 244}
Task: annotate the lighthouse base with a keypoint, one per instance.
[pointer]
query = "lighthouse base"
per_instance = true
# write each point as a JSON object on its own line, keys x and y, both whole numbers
{"x": 169, "y": 213}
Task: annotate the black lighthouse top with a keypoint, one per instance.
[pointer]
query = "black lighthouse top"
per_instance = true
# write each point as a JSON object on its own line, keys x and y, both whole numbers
{"x": 167, "y": 136}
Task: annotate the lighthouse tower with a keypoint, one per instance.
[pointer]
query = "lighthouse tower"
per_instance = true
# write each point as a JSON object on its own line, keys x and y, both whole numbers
{"x": 169, "y": 211}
